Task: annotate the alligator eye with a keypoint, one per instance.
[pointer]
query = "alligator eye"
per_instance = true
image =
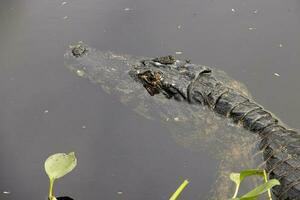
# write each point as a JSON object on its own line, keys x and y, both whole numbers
{"x": 151, "y": 78}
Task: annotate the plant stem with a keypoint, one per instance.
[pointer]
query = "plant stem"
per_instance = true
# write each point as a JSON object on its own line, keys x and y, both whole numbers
{"x": 266, "y": 180}
{"x": 51, "y": 188}
{"x": 236, "y": 191}
{"x": 179, "y": 190}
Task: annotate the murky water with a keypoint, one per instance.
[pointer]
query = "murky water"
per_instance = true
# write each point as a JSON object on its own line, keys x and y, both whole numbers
{"x": 121, "y": 155}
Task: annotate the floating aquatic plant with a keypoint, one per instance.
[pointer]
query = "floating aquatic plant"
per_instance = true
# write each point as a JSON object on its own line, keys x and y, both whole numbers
{"x": 237, "y": 178}
{"x": 58, "y": 165}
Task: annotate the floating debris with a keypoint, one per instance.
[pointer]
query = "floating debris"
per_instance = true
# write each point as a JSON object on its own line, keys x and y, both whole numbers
{"x": 66, "y": 17}
{"x": 63, "y": 3}
{"x": 276, "y": 74}
{"x": 280, "y": 45}
{"x": 176, "y": 119}
{"x": 178, "y": 52}
{"x": 251, "y": 28}
{"x": 6, "y": 192}
{"x": 179, "y": 27}
{"x": 255, "y": 11}
{"x": 128, "y": 9}
{"x": 119, "y": 193}
{"x": 233, "y": 10}
{"x": 80, "y": 72}
{"x": 46, "y": 111}
{"x": 83, "y": 127}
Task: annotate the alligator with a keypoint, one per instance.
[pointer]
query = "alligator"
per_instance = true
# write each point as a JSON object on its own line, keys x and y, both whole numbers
{"x": 203, "y": 86}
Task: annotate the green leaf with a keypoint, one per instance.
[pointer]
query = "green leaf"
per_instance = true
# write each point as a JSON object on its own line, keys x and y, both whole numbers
{"x": 260, "y": 189}
{"x": 239, "y": 177}
{"x": 253, "y": 198}
{"x": 251, "y": 172}
{"x": 58, "y": 165}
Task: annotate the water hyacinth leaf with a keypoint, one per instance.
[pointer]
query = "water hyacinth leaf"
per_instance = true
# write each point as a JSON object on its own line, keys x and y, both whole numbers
{"x": 239, "y": 177}
{"x": 251, "y": 172}
{"x": 260, "y": 189}
{"x": 58, "y": 165}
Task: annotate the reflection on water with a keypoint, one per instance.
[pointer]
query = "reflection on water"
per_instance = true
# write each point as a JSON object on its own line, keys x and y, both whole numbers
{"x": 44, "y": 107}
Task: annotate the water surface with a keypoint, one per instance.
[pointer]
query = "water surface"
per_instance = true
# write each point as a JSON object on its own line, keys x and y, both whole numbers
{"x": 46, "y": 109}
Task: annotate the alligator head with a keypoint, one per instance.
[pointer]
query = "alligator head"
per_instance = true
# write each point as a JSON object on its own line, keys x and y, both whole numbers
{"x": 163, "y": 75}
{"x": 167, "y": 76}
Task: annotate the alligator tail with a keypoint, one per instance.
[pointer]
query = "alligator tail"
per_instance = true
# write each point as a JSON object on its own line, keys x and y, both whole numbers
{"x": 279, "y": 145}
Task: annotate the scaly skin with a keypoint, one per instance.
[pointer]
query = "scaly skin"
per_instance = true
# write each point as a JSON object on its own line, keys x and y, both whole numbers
{"x": 197, "y": 85}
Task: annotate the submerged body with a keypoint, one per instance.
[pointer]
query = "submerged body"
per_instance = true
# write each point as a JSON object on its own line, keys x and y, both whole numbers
{"x": 196, "y": 85}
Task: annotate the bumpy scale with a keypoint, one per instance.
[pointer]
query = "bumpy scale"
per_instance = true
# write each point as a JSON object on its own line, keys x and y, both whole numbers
{"x": 197, "y": 85}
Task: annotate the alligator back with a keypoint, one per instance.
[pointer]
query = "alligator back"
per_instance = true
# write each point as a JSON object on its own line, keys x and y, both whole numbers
{"x": 280, "y": 145}
{"x": 196, "y": 84}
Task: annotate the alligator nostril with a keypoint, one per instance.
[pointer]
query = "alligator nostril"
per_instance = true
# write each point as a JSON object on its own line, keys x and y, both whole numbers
{"x": 78, "y": 50}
